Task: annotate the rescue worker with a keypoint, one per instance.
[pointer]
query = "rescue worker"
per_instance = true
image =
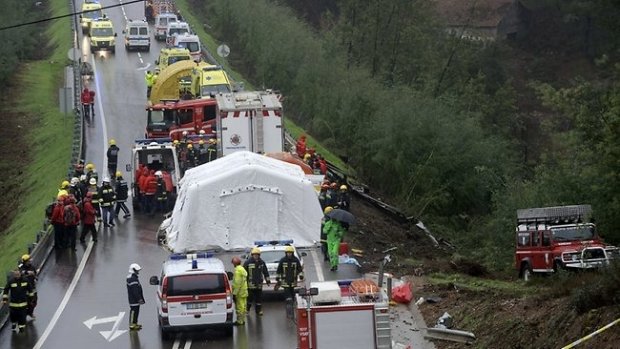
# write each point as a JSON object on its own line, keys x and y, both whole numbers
{"x": 322, "y": 165}
{"x": 212, "y": 150}
{"x": 161, "y": 194}
{"x": 16, "y": 294}
{"x": 72, "y": 220}
{"x": 106, "y": 201}
{"x": 324, "y": 220}
{"x": 332, "y": 193}
{"x": 150, "y": 81}
{"x": 112, "y": 155}
{"x": 202, "y": 151}
{"x": 300, "y": 146}
{"x": 92, "y": 102}
{"x": 150, "y": 190}
{"x": 192, "y": 156}
{"x": 323, "y": 196}
{"x": 29, "y": 272}
{"x": 135, "y": 296}
{"x": 58, "y": 222}
{"x": 90, "y": 168}
{"x": 94, "y": 191}
{"x": 74, "y": 189}
{"x": 334, "y": 231}
{"x": 64, "y": 189}
{"x": 121, "y": 196}
{"x": 85, "y": 99}
{"x": 257, "y": 270}
{"x": 344, "y": 200}
{"x": 78, "y": 169}
{"x": 88, "y": 219}
{"x": 240, "y": 290}
{"x": 289, "y": 270}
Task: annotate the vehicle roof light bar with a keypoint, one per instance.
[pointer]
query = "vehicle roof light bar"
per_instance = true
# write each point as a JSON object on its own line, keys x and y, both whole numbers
{"x": 273, "y": 242}
{"x": 556, "y": 213}
{"x": 191, "y": 256}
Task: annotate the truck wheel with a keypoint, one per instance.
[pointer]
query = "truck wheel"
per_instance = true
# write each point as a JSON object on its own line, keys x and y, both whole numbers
{"x": 228, "y": 331}
{"x": 526, "y": 272}
{"x": 558, "y": 266}
{"x": 113, "y": 50}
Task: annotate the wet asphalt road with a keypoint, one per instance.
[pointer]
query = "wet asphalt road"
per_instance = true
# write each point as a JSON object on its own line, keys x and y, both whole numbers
{"x": 77, "y": 286}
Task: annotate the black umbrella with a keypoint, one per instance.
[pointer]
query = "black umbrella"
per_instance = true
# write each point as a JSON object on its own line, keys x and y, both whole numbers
{"x": 342, "y": 216}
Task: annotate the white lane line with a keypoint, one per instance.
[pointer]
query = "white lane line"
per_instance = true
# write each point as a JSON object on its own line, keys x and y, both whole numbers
{"x": 66, "y": 298}
{"x": 140, "y": 57}
{"x": 123, "y": 9}
{"x": 319, "y": 266}
{"x": 103, "y": 121}
{"x": 188, "y": 344}
{"x": 176, "y": 344}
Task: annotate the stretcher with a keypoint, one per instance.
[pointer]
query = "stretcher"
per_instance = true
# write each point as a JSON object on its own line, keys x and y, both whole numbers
{"x": 365, "y": 290}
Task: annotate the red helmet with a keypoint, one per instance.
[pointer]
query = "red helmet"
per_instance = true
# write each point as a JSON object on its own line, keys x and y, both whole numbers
{"x": 236, "y": 261}
{"x": 334, "y": 185}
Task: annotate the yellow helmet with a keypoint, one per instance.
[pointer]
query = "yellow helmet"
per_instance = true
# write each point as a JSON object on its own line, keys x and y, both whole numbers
{"x": 289, "y": 249}
{"x": 119, "y": 174}
{"x": 327, "y": 209}
{"x": 201, "y": 142}
{"x": 64, "y": 185}
{"x": 112, "y": 142}
{"x": 255, "y": 250}
{"x": 212, "y": 141}
{"x": 343, "y": 187}
{"x": 90, "y": 166}
{"x": 307, "y": 156}
{"x": 25, "y": 257}
{"x": 175, "y": 142}
{"x": 190, "y": 146}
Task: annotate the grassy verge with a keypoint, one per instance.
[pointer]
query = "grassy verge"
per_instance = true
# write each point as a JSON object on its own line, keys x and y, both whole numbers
{"x": 49, "y": 140}
{"x": 493, "y": 286}
{"x": 192, "y": 17}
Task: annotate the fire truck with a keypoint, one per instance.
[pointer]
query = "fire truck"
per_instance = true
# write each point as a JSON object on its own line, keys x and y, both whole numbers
{"x": 549, "y": 239}
{"x": 169, "y": 118}
{"x": 334, "y": 315}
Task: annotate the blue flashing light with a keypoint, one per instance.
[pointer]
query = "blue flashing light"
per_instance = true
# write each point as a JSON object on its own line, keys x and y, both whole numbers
{"x": 192, "y": 256}
{"x": 273, "y": 242}
{"x": 151, "y": 140}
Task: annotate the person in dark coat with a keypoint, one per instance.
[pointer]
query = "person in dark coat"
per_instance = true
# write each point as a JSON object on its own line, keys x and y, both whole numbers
{"x": 121, "y": 195}
{"x": 135, "y": 296}
{"x": 257, "y": 270}
{"x": 30, "y": 272}
{"x": 58, "y": 222}
{"x": 288, "y": 272}
{"x": 112, "y": 158}
{"x": 16, "y": 294}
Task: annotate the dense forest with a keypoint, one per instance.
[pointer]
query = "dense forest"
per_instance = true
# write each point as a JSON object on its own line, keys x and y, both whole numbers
{"x": 460, "y": 133}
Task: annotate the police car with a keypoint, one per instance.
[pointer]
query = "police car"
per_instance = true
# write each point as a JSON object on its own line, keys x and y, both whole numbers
{"x": 193, "y": 293}
{"x": 271, "y": 252}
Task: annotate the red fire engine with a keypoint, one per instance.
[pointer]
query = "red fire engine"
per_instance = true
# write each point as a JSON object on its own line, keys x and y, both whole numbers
{"x": 564, "y": 237}
{"x": 169, "y": 119}
{"x": 337, "y": 314}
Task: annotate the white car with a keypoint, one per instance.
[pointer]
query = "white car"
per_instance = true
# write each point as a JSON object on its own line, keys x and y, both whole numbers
{"x": 271, "y": 252}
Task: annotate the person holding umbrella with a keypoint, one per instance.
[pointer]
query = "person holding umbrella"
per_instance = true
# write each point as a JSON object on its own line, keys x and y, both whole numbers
{"x": 334, "y": 230}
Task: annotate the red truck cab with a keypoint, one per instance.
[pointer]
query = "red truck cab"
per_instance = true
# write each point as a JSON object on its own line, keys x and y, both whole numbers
{"x": 563, "y": 237}
{"x": 169, "y": 119}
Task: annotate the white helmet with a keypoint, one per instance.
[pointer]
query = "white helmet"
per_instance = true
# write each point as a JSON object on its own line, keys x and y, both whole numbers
{"x": 106, "y": 179}
{"x": 92, "y": 181}
{"x": 159, "y": 174}
{"x": 184, "y": 133}
{"x": 134, "y": 267}
{"x": 75, "y": 181}
{"x": 202, "y": 132}
{"x": 83, "y": 177}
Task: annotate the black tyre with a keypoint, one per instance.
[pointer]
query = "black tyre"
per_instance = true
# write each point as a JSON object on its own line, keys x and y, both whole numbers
{"x": 526, "y": 272}
{"x": 165, "y": 335}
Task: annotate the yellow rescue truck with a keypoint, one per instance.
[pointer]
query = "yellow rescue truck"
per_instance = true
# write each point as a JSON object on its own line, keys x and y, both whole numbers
{"x": 169, "y": 56}
{"x": 102, "y": 35}
{"x": 91, "y": 10}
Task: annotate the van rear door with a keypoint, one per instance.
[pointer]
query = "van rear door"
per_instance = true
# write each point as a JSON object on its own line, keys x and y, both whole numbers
{"x": 196, "y": 299}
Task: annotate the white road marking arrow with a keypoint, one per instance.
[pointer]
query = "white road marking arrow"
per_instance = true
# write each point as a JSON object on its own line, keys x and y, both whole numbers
{"x": 108, "y": 335}
{"x": 145, "y": 68}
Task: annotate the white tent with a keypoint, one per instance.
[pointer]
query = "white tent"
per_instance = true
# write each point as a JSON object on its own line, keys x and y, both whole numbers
{"x": 243, "y": 197}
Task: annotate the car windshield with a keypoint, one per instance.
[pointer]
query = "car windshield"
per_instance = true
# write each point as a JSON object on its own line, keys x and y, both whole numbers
{"x": 174, "y": 31}
{"x": 93, "y": 14}
{"x": 174, "y": 59}
{"x": 144, "y": 31}
{"x": 102, "y": 32}
{"x": 272, "y": 256}
{"x": 190, "y": 285}
{"x": 192, "y": 46}
{"x": 214, "y": 89}
{"x": 573, "y": 233}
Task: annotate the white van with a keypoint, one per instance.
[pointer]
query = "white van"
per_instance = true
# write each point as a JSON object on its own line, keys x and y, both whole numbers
{"x": 176, "y": 28}
{"x": 190, "y": 42}
{"x": 161, "y": 24}
{"x": 137, "y": 35}
{"x": 194, "y": 293}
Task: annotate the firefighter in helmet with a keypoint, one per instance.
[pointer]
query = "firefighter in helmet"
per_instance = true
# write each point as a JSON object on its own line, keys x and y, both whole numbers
{"x": 288, "y": 272}
{"x": 257, "y": 270}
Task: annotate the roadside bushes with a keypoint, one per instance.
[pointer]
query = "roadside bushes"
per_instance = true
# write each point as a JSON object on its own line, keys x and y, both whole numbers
{"x": 603, "y": 290}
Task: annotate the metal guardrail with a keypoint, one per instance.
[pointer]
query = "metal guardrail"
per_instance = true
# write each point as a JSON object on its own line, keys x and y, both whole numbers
{"x": 40, "y": 249}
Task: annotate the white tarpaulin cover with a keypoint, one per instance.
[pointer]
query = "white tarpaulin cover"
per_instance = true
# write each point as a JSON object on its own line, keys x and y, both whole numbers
{"x": 233, "y": 201}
